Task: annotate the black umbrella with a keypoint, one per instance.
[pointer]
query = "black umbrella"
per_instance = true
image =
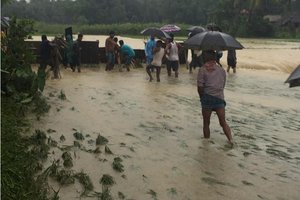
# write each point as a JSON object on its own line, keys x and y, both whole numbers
{"x": 212, "y": 40}
{"x": 213, "y": 27}
{"x": 196, "y": 28}
{"x": 155, "y": 32}
{"x": 294, "y": 78}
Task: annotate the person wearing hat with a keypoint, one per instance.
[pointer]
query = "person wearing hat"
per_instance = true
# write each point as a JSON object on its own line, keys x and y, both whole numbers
{"x": 110, "y": 46}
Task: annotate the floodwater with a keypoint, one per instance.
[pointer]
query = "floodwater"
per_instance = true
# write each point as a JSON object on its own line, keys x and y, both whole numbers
{"x": 156, "y": 128}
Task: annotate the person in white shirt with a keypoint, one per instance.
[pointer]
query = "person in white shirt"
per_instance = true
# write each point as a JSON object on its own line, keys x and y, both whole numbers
{"x": 159, "y": 53}
{"x": 172, "y": 56}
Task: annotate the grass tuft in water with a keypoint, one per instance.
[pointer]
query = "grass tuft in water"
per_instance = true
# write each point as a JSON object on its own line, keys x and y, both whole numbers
{"x": 107, "y": 180}
{"x": 121, "y": 195}
{"x": 153, "y": 194}
{"x": 97, "y": 150}
{"x": 40, "y": 105}
{"x": 77, "y": 144}
{"x": 62, "y": 138}
{"x": 65, "y": 177}
{"x": 107, "y": 150}
{"x": 78, "y": 135}
{"x": 51, "y": 130}
{"x": 85, "y": 181}
{"x": 117, "y": 165}
{"x": 68, "y": 161}
{"x": 101, "y": 140}
{"x": 62, "y": 95}
{"x": 105, "y": 195}
{"x": 52, "y": 142}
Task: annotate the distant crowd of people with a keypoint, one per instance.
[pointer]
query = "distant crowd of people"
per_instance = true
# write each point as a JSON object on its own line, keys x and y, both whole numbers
{"x": 117, "y": 52}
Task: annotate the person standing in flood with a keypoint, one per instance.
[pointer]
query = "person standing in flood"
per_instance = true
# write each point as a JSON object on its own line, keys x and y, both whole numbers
{"x": 69, "y": 52}
{"x": 110, "y": 46}
{"x": 231, "y": 60}
{"x": 128, "y": 53}
{"x": 45, "y": 51}
{"x": 159, "y": 53}
{"x": 77, "y": 52}
{"x": 150, "y": 45}
{"x": 172, "y": 56}
{"x": 211, "y": 82}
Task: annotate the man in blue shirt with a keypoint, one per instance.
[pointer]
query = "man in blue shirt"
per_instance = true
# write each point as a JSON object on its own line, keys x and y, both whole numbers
{"x": 150, "y": 45}
{"x": 128, "y": 54}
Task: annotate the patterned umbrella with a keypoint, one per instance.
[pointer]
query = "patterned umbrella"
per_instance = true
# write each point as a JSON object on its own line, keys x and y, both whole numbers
{"x": 170, "y": 28}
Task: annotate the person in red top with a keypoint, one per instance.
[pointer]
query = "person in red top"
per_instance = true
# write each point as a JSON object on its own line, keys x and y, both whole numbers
{"x": 211, "y": 82}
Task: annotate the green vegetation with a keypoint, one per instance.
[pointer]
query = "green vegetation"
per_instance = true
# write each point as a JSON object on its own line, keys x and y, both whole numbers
{"x": 101, "y": 140}
{"x": 117, "y": 165}
{"x": 242, "y": 18}
{"x": 85, "y": 181}
{"x": 18, "y": 164}
{"x": 107, "y": 180}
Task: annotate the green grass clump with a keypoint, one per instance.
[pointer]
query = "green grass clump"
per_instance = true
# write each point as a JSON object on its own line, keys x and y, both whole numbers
{"x": 40, "y": 105}
{"x": 101, "y": 140}
{"x": 117, "y": 165}
{"x": 68, "y": 161}
{"x": 107, "y": 150}
{"x": 65, "y": 177}
{"x": 18, "y": 165}
{"x": 105, "y": 195}
{"x": 78, "y": 136}
{"x": 107, "y": 180}
{"x": 62, "y": 138}
{"x": 85, "y": 181}
{"x": 153, "y": 194}
{"x": 62, "y": 95}
{"x": 121, "y": 195}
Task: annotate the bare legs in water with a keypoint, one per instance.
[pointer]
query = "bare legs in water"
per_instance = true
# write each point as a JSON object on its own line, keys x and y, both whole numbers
{"x": 206, "y": 113}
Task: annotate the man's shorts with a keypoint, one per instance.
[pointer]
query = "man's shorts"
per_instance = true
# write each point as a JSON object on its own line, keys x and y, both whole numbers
{"x": 172, "y": 65}
{"x": 211, "y": 102}
{"x": 110, "y": 56}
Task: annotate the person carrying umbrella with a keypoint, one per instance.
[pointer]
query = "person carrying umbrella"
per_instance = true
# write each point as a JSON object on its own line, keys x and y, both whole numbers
{"x": 172, "y": 56}
{"x": 211, "y": 82}
{"x": 159, "y": 53}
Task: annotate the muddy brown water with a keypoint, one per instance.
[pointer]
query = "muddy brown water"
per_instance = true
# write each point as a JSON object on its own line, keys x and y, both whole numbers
{"x": 156, "y": 129}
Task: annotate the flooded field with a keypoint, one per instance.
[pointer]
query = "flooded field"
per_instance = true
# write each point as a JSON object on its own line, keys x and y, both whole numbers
{"x": 155, "y": 147}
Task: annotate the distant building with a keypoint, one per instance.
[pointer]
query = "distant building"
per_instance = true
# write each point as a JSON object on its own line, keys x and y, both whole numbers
{"x": 273, "y": 19}
{"x": 291, "y": 19}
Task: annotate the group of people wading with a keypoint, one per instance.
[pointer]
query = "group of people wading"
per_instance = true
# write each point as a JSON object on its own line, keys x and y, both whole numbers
{"x": 58, "y": 51}
{"x": 210, "y": 81}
